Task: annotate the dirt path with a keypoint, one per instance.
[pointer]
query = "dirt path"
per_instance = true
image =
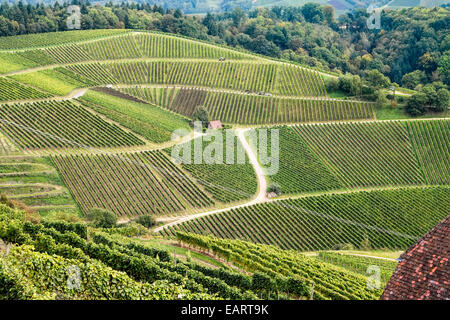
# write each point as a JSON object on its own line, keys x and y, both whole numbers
{"x": 369, "y": 256}
{"x": 260, "y": 197}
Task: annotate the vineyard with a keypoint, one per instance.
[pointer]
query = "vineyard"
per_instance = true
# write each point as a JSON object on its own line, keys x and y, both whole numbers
{"x": 55, "y": 38}
{"x": 6, "y": 146}
{"x": 364, "y": 154}
{"x": 226, "y": 182}
{"x": 392, "y": 219}
{"x": 113, "y": 48}
{"x": 250, "y": 108}
{"x": 162, "y": 46}
{"x": 431, "y": 141}
{"x": 130, "y": 184}
{"x": 300, "y": 170}
{"x": 151, "y": 122}
{"x": 246, "y": 76}
{"x": 104, "y": 119}
{"x": 12, "y": 90}
{"x": 273, "y": 264}
{"x": 359, "y": 264}
{"x": 93, "y": 71}
{"x": 60, "y": 124}
{"x": 68, "y": 54}
{"x": 13, "y": 61}
{"x": 34, "y": 182}
{"x": 151, "y": 273}
{"x": 55, "y": 81}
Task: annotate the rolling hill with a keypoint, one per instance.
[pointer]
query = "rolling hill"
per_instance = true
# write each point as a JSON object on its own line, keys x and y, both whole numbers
{"x": 87, "y": 123}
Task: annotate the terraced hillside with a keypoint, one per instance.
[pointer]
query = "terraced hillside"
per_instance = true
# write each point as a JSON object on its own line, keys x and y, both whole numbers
{"x": 229, "y": 178}
{"x": 60, "y": 124}
{"x": 364, "y": 154}
{"x": 150, "y": 122}
{"x": 237, "y": 107}
{"x": 130, "y": 184}
{"x": 35, "y": 182}
{"x": 149, "y": 272}
{"x": 87, "y": 121}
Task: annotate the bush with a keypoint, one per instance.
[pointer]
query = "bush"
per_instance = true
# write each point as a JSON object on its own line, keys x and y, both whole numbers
{"x": 131, "y": 229}
{"x": 202, "y": 115}
{"x": 343, "y": 246}
{"x": 101, "y": 218}
{"x": 275, "y": 188}
{"x": 146, "y": 220}
{"x": 63, "y": 216}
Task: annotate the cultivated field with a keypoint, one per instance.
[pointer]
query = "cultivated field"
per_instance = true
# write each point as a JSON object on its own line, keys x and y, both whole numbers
{"x": 60, "y": 124}
{"x": 392, "y": 219}
{"x": 241, "y": 108}
{"x": 226, "y": 182}
{"x": 35, "y": 182}
{"x": 130, "y": 184}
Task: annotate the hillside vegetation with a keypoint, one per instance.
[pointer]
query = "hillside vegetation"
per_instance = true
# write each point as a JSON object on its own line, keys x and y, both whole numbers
{"x": 107, "y": 263}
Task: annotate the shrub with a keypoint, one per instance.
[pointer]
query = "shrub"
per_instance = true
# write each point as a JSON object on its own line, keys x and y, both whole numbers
{"x": 275, "y": 188}
{"x": 201, "y": 114}
{"x": 102, "y": 218}
{"x": 63, "y": 216}
{"x": 146, "y": 220}
{"x": 343, "y": 246}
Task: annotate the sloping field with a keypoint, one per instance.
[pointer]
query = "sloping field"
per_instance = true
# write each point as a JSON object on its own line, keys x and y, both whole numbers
{"x": 392, "y": 219}
{"x": 243, "y": 108}
{"x": 60, "y": 124}
{"x": 55, "y": 38}
{"x": 113, "y": 48}
{"x": 359, "y": 264}
{"x": 13, "y": 61}
{"x": 94, "y": 71}
{"x": 247, "y": 76}
{"x": 227, "y": 181}
{"x": 300, "y": 170}
{"x": 153, "y": 123}
{"x": 130, "y": 184}
{"x": 68, "y": 53}
{"x": 431, "y": 141}
{"x": 162, "y": 46}
{"x": 12, "y": 90}
{"x": 330, "y": 282}
{"x": 364, "y": 154}
{"x": 35, "y": 182}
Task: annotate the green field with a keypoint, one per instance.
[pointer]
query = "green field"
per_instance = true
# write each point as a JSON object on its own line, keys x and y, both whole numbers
{"x": 153, "y": 123}
{"x": 35, "y": 182}
{"x": 247, "y": 109}
{"x": 100, "y": 119}
{"x": 130, "y": 184}
{"x": 226, "y": 181}
{"x": 54, "y": 38}
{"x": 60, "y": 124}
{"x": 365, "y": 154}
{"x": 392, "y": 219}
{"x": 300, "y": 169}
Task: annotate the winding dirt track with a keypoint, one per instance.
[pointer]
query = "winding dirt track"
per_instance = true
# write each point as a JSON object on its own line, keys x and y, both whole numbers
{"x": 262, "y": 186}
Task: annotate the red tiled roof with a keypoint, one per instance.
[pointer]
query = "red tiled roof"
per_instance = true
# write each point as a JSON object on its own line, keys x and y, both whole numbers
{"x": 215, "y": 124}
{"x": 424, "y": 270}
